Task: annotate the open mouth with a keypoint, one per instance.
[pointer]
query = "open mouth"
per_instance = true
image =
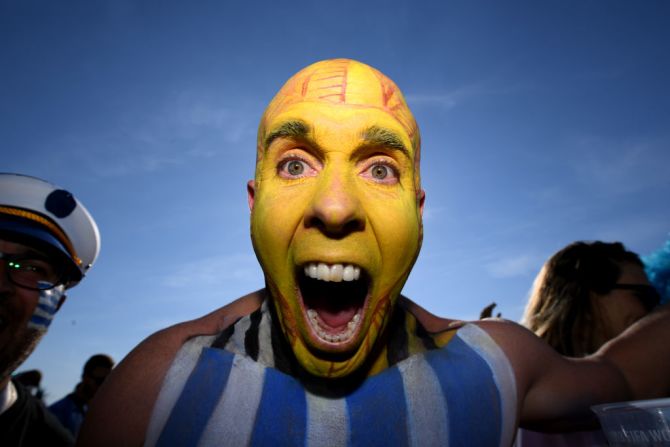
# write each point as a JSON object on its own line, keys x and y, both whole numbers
{"x": 333, "y": 296}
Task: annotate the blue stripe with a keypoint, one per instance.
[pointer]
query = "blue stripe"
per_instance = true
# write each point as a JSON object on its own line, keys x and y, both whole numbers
{"x": 198, "y": 399}
{"x": 282, "y": 413}
{"x": 47, "y": 308}
{"x": 40, "y": 321}
{"x": 378, "y": 411}
{"x": 457, "y": 367}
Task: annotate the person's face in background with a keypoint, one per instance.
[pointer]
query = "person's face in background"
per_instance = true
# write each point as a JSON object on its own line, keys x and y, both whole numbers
{"x": 17, "y": 304}
{"x": 92, "y": 381}
{"x": 620, "y": 308}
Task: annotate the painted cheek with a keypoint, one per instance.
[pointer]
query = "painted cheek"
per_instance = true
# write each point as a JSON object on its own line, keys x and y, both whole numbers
{"x": 272, "y": 232}
{"x": 398, "y": 236}
{"x": 284, "y": 312}
{"x": 46, "y": 308}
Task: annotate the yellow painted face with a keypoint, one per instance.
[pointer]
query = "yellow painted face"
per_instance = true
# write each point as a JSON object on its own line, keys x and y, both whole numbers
{"x": 336, "y": 210}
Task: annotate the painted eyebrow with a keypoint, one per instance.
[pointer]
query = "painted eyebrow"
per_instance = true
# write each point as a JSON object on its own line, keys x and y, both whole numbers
{"x": 379, "y": 136}
{"x": 289, "y": 129}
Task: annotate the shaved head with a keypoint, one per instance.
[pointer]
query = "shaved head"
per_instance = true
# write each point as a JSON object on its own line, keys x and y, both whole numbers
{"x": 342, "y": 82}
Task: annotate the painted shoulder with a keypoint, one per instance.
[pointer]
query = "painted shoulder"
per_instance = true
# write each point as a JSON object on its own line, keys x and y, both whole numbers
{"x": 120, "y": 412}
{"x": 432, "y": 323}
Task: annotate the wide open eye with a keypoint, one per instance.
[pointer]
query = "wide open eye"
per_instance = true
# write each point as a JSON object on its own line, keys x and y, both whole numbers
{"x": 381, "y": 171}
{"x": 295, "y": 168}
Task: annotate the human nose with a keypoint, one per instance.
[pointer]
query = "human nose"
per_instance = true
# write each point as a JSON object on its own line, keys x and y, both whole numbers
{"x": 335, "y": 207}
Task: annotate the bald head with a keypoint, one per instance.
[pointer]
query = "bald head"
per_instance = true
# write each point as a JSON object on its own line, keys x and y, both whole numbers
{"x": 345, "y": 83}
{"x": 336, "y": 183}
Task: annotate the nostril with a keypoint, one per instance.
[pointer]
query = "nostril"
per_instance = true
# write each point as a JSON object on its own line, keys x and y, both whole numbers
{"x": 353, "y": 226}
{"x": 314, "y": 222}
{"x": 335, "y": 228}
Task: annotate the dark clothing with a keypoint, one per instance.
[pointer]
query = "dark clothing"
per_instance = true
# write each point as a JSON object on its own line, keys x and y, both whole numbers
{"x": 70, "y": 412}
{"x": 28, "y": 423}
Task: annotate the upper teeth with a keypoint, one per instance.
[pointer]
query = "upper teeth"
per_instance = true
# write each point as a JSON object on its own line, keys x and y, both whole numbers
{"x": 334, "y": 272}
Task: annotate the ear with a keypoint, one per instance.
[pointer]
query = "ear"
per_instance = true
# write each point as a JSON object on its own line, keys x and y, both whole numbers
{"x": 60, "y": 302}
{"x": 422, "y": 198}
{"x": 251, "y": 192}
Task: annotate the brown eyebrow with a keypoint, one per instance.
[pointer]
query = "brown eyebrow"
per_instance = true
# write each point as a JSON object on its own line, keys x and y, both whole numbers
{"x": 380, "y": 136}
{"x": 288, "y": 129}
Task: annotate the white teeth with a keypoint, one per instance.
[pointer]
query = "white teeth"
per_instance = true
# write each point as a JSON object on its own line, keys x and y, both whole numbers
{"x": 333, "y": 338}
{"x": 323, "y": 272}
{"x": 335, "y": 272}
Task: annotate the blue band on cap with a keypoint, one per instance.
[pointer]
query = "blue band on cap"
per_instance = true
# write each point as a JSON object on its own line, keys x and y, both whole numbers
{"x": 26, "y": 228}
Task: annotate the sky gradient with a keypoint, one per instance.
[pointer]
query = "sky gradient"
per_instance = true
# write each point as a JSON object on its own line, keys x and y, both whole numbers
{"x": 542, "y": 123}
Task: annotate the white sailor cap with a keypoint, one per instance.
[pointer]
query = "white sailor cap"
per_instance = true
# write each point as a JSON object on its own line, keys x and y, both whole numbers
{"x": 33, "y": 209}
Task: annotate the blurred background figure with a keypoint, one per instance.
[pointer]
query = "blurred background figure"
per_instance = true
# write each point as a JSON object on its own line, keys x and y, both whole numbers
{"x": 584, "y": 295}
{"x": 31, "y": 380}
{"x": 72, "y": 409}
{"x": 487, "y": 312}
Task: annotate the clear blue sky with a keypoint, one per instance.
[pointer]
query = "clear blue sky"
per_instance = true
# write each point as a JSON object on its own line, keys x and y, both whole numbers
{"x": 542, "y": 123}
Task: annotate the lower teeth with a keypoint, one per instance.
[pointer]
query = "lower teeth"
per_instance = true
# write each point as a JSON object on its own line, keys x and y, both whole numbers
{"x": 333, "y": 338}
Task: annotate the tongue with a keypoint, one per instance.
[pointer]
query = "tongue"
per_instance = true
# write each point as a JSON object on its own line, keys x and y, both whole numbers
{"x": 335, "y": 303}
{"x": 336, "y": 319}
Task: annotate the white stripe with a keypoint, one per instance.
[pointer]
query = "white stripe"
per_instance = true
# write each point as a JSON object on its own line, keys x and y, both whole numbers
{"x": 173, "y": 384}
{"x": 232, "y": 421}
{"x": 236, "y": 342}
{"x": 47, "y": 314}
{"x": 266, "y": 355}
{"x": 427, "y": 421}
{"x": 480, "y": 341}
{"x": 327, "y": 421}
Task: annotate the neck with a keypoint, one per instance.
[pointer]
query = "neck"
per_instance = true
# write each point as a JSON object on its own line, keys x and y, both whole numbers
{"x": 259, "y": 337}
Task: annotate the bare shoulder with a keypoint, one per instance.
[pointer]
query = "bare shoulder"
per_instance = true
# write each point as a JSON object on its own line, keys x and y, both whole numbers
{"x": 120, "y": 412}
{"x": 431, "y": 322}
{"x": 554, "y": 392}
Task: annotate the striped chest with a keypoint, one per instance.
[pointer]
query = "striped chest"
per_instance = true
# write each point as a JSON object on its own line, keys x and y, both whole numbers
{"x": 461, "y": 394}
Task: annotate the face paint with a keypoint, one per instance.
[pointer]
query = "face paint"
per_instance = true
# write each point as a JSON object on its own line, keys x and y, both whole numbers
{"x": 46, "y": 308}
{"x": 336, "y": 215}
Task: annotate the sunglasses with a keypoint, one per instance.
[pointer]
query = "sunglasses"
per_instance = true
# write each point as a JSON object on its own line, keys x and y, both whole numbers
{"x": 645, "y": 292}
{"x": 31, "y": 272}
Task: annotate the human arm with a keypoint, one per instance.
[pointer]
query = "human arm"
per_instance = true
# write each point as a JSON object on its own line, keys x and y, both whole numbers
{"x": 556, "y": 393}
{"x": 120, "y": 412}
{"x": 642, "y": 354}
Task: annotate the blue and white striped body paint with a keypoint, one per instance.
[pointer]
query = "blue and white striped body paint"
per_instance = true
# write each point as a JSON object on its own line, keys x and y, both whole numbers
{"x": 461, "y": 394}
{"x": 47, "y": 306}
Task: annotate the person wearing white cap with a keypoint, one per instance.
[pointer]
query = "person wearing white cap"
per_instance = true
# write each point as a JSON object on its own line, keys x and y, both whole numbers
{"x": 48, "y": 241}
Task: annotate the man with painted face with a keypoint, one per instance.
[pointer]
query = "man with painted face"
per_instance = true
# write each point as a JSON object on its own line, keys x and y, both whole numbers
{"x": 330, "y": 353}
{"x": 48, "y": 241}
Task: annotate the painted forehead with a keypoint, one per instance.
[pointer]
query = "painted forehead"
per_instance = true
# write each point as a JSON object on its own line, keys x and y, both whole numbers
{"x": 343, "y": 82}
